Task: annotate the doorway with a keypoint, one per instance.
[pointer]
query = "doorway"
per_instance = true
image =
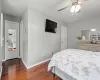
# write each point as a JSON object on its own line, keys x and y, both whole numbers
{"x": 11, "y": 40}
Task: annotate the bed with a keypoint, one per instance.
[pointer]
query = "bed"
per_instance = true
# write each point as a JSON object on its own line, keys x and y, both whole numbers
{"x": 74, "y": 64}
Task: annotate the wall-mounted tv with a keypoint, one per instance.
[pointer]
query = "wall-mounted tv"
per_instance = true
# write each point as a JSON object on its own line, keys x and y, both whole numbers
{"x": 50, "y": 26}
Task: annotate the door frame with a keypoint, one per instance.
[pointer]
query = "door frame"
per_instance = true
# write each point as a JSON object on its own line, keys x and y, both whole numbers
{"x": 5, "y": 39}
{"x": 1, "y": 35}
{"x": 21, "y": 33}
{"x": 1, "y": 41}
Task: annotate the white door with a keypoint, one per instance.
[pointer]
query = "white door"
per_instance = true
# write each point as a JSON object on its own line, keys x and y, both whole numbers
{"x": 63, "y": 38}
{"x": 0, "y": 49}
{"x": 11, "y": 40}
{"x": 21, "y": 39}
{"x": 0, "y": 44}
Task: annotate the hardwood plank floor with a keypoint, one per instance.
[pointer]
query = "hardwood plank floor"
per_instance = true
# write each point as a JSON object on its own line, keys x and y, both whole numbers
{"x": 15, "y": 70}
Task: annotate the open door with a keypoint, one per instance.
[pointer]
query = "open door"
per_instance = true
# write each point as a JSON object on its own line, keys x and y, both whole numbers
{"x": 11, "y": 40}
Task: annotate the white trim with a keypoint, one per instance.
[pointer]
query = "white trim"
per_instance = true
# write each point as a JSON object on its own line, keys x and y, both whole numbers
{"x": 24, "y": 64}
{"x": 21, "y": 39}
{"x": 3, "y": 60}
{"x": 2, "y": 38}
{"x": 19, "y": 57}
{"x": 1, "y": 72}
{"x": 28, "y": 67}
{"x": 38, "y": 63}
{"x": 12, "y": 22}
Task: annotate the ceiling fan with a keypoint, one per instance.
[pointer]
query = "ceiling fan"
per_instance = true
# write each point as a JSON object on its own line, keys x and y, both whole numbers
{"x": 73, "y": 4}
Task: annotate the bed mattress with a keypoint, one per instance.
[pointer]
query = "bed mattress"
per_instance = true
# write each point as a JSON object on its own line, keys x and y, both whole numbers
{"x": 62, "y": 74}
{"x": 79, "y": 64}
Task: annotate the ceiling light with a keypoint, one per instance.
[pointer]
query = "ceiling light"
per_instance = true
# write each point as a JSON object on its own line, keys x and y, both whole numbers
{"x": 93, "y": 29}
{"x": 73, "y": 9}
{"x": 77, "y": 8}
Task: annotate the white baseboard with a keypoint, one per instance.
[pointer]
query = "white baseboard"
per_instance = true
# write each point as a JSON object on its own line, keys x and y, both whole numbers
{"x": 24, "y": 63}
{"x": 0, "y": 72}
{"x": 19, "y": 57}
{"x": 3, "y": 60}
{"x": 8, "y": 59}
{"x": 28, "y": 67}
{"x": 38, "y": 63}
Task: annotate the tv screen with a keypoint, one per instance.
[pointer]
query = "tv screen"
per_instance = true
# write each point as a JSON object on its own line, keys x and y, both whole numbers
{"x": 50, "y": 26}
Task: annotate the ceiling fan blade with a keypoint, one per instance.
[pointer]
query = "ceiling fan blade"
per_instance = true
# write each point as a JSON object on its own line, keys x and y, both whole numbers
{"x": 63, "y": 8}
{"x": 65, "y": 4}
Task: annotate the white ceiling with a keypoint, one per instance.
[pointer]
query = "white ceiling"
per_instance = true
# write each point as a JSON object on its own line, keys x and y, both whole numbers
{"x": 89, "y": 9}
{"x": 17, "y": 7}
{"x": 13, "y": 7}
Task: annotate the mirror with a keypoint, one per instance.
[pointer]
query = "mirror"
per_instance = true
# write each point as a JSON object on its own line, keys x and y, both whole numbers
{"x": 91, "y": 34}
{"x": 85, "y": 34}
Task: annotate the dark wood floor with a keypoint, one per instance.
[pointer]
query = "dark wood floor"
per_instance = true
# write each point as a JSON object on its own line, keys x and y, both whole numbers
{"x": 15, "y": 70}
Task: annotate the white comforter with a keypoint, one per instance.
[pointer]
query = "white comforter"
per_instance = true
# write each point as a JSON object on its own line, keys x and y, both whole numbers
{"x": 80, "y": 64}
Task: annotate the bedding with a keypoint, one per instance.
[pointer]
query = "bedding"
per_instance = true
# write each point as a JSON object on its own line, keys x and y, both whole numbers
{"x": 79, "y": 64}
{"x": 61, "y": 74}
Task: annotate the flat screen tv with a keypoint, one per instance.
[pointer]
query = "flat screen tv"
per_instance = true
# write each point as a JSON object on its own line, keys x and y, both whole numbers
{"x": 50, "y": 26}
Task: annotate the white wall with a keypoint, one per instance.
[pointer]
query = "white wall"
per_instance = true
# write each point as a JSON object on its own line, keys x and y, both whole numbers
{"x": 25, "y": 37}
{"x": 41, "y": 44}
{"x": 74, "y": 29}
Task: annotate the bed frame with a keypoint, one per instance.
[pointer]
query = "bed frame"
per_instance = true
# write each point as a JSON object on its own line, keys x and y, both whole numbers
{"x": 54, "y": 75}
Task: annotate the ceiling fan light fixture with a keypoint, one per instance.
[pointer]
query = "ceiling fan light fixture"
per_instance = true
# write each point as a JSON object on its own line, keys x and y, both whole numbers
{"x": 73, "y": 9}
{"x": 77, "y": 9}
{"x": 80, "y": 1}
